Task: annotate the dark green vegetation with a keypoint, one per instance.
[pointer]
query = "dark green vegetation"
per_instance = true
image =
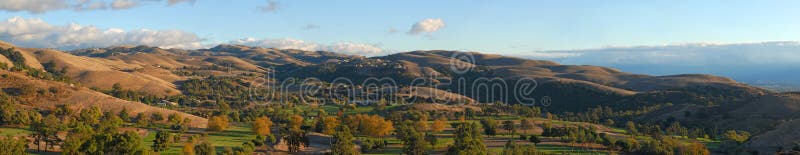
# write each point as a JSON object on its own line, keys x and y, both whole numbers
{"x": 593, "y": 109}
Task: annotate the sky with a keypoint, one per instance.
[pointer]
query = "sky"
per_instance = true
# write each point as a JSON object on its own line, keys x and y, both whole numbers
{"x": 563, "y": 31}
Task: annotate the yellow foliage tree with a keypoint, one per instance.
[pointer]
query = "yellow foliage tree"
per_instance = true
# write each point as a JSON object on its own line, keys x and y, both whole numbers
{"x": 188, "y": 148}
{"x": 261, "y": 126}
{"x": 370, "y": 125}
{"x": 330, "y": 124}
{"x": 421, "y": 125}
{"x": 218, "y": 123}
{"x": 295, "y": 122}
{"x": 438, "y": 125}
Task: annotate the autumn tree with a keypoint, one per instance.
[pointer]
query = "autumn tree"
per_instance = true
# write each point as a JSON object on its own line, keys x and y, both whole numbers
{"x": 370, "y": 125}
{"x": 295, "y": 137}
{"x": 695, "y": 148}
{"x": 188, "y": 148}
{"x": 438, "y": 125}
{"x": 295, "y": 122}
{"x": 261, "y": 126}
{"x": 421, "y": 125}
{"x": 327, "y": 125}
{"x": 218, "y": 123}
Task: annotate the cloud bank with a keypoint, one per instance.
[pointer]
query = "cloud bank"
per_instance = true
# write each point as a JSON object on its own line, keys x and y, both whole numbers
{"x": 778, "y": 52}
{"x": 426, "y": 26}
{"x": 42, "y": 6}
{"x": 34, "y": 32}
{"x": 341, "y": 47}
{"x": 758, "y": 62}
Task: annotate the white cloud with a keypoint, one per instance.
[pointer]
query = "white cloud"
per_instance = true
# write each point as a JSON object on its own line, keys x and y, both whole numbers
{"x": 173, "y": 2}
{"x": 88, "y": 5}
{"x": 355, "y": 48}
{"x": 310, "y": 27}
{"x": 341, "y": 47}
{"x": 35, "y": 32}
{"x": 550, "y": 55}
{"x": 271, "y": 6}
{"x": 426, "y": 26}
{"x": 33, "y": 6}
{"x": 42, "y": 6}
{"x": 123, "y": 4}
{"x": 391, "y": 31}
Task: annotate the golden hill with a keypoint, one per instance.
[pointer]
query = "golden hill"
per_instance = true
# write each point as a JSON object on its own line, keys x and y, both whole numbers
{"x": 57, "y": 93}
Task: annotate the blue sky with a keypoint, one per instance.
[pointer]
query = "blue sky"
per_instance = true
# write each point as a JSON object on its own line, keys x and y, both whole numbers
{"x": 492, "y": 26}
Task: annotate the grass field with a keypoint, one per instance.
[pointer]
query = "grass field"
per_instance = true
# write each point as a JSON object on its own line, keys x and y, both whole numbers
{"x": 232, "y": 137}
{"x": 13, "y": 131}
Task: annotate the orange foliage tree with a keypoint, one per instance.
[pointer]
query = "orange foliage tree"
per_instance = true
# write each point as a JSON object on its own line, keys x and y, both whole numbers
{"x": 370, "y": 125}
{"x": 261, "y": 126}
{"x": 218, "y": 123}
{"x": 438, "y": 125}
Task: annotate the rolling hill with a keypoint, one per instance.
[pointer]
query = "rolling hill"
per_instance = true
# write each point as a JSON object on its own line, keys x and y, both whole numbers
{"x": 696, "y": 100}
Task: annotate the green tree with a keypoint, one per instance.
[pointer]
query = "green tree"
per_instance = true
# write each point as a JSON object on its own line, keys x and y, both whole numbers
{"x": 535, "y": 139}
{"x": 343, "y": 142}
{"x": 46, "y": 131}
{"x": 526, "y": 124}
{"x": 161, "y": 141}
{"x": 91, "y": 115}
{"x": 157, "y": 116}
{"x": 431, "y": 139}
{"x": 413, "y": 141}
{"x": 142, "y": 120}
{"x": 467, "y": 140}
{"x": 489, "y": 126}
{"x": 512, "y": 148}
{"x": 631, "y": 127}
{"x": 11, "y": 145}
{"x": 124, "y": 115}
{"x": 295, "y": 138}
{"x": 128, "y": 142}
{"x": 509, "y": 125}
{"x": 204, "y": 148}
